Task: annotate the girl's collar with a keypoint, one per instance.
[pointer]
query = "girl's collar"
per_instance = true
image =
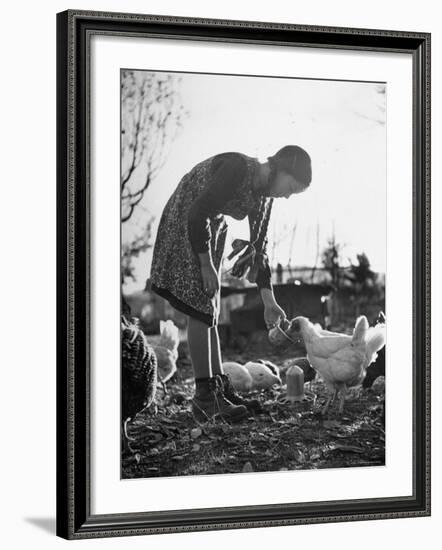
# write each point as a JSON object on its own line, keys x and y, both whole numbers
{"x": 256, "y": 182}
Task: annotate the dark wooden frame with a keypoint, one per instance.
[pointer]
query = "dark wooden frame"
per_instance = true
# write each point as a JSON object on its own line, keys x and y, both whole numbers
{"x": 74, "y": 29}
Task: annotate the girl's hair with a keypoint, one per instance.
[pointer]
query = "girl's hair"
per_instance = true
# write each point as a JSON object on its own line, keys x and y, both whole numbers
{"x": 259, "y": 223}
{"x": 254, "y": 256}
{"x": 293, "y": 160}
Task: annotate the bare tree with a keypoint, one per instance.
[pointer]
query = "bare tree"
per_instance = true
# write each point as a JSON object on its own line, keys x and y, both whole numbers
{"x": 363, "y": 280}
{"x": 331, "y": 260}
{"x": 151, "y": 114}
{"x": 132, "y": 249}
{"x": 312, "y": 279}
{"x": 292, "y": 242}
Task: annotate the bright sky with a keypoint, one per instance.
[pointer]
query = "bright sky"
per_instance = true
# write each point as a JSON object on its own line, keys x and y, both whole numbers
{"x": 341, "y": 125}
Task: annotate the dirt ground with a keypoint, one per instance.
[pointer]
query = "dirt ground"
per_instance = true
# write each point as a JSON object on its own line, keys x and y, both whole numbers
{"x": 168, "y": 441}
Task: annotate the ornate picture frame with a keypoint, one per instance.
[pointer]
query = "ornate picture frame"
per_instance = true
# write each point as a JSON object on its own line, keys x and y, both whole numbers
{"x": 75, "y": 29}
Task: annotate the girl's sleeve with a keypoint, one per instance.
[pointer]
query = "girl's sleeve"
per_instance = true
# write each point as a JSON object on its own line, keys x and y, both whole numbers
{"x": 264, "y": 278}
{"x": 264, "y": 275}
{"x": 228, "y": 171}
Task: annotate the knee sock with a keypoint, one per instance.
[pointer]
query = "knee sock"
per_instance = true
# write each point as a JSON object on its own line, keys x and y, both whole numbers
{"x": 198, "y": 337}
{"x": 215, "y": 352}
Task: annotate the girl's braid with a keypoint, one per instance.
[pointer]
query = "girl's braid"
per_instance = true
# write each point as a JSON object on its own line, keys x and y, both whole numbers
{"x": 260, "y": 224}
{"x": 254, "y": 257}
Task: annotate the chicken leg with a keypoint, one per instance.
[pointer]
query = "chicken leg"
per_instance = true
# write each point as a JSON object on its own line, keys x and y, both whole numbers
{"x": 330, "y": 400}
{"x": 342, "y": 394}
{"x": 126, "y": 439}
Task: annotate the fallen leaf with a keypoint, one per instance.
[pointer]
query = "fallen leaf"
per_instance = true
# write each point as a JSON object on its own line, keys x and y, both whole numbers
{"x": 346, "y": 448}
{"x": 331, "y": 424}
{"x": 195, "y": 433}
{"x": 299, "y": 456}
{"x": 247, "y": 467}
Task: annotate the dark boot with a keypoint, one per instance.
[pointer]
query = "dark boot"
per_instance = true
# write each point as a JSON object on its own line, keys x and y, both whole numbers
{"x": 209, "y": 402}
{"x": 253, "y": 405}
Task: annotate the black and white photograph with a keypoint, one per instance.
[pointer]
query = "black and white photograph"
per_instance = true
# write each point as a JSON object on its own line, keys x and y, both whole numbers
{"x": 253, "y": 273}
{"x": 223, "y": 258}
{"x": 243, "y": 275}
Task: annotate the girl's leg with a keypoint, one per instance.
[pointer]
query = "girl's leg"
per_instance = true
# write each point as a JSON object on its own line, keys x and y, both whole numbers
{"x": 207, "y": 401}
{"x": 229, "y": 391}
{"x": 215, "y": 349}
{"x": 198, "y": 338}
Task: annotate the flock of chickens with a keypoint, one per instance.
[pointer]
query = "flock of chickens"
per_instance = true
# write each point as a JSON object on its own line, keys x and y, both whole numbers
{"x": 342, "y": 361}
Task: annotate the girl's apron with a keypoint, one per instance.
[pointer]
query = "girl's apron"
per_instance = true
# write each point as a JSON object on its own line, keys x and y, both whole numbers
{"x": 175, "y": 272}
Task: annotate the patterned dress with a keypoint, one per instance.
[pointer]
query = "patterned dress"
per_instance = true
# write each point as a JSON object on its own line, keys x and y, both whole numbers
{"x": 175, "y": 272}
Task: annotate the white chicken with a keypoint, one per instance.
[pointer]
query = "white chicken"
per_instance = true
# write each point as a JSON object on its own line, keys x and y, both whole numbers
{"x": 340, "y": 359}
{"x": 166, "y": 350}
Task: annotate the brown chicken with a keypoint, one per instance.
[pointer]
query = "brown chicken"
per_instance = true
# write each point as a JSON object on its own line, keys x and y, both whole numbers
{"x": 138, "y": 374}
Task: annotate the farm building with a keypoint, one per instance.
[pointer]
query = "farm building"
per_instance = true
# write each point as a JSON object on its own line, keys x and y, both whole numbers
{"x": 242, "y": 310}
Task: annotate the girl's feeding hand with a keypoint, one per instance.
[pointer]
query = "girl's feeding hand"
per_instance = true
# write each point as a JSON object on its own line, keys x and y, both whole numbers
{"x": 273, "y": 315}
{"x": 209, "y": 275}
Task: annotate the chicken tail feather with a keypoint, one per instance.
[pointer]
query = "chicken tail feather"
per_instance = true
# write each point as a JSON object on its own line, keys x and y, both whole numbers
{"x": 376, "y": 338}
{"x": 360, "y": 331}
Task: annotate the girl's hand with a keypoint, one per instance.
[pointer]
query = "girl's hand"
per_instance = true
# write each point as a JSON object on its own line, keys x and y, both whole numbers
{"x": 210, "y": 279}
{"x": 273, "y": 315}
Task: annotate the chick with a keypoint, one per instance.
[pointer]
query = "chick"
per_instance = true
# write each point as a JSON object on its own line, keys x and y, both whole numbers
{"x": 239, "y": 375}
{"x": 262, "y": 375}
{"x": 166, "y": 349}
{"x": 274, "y": 368}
